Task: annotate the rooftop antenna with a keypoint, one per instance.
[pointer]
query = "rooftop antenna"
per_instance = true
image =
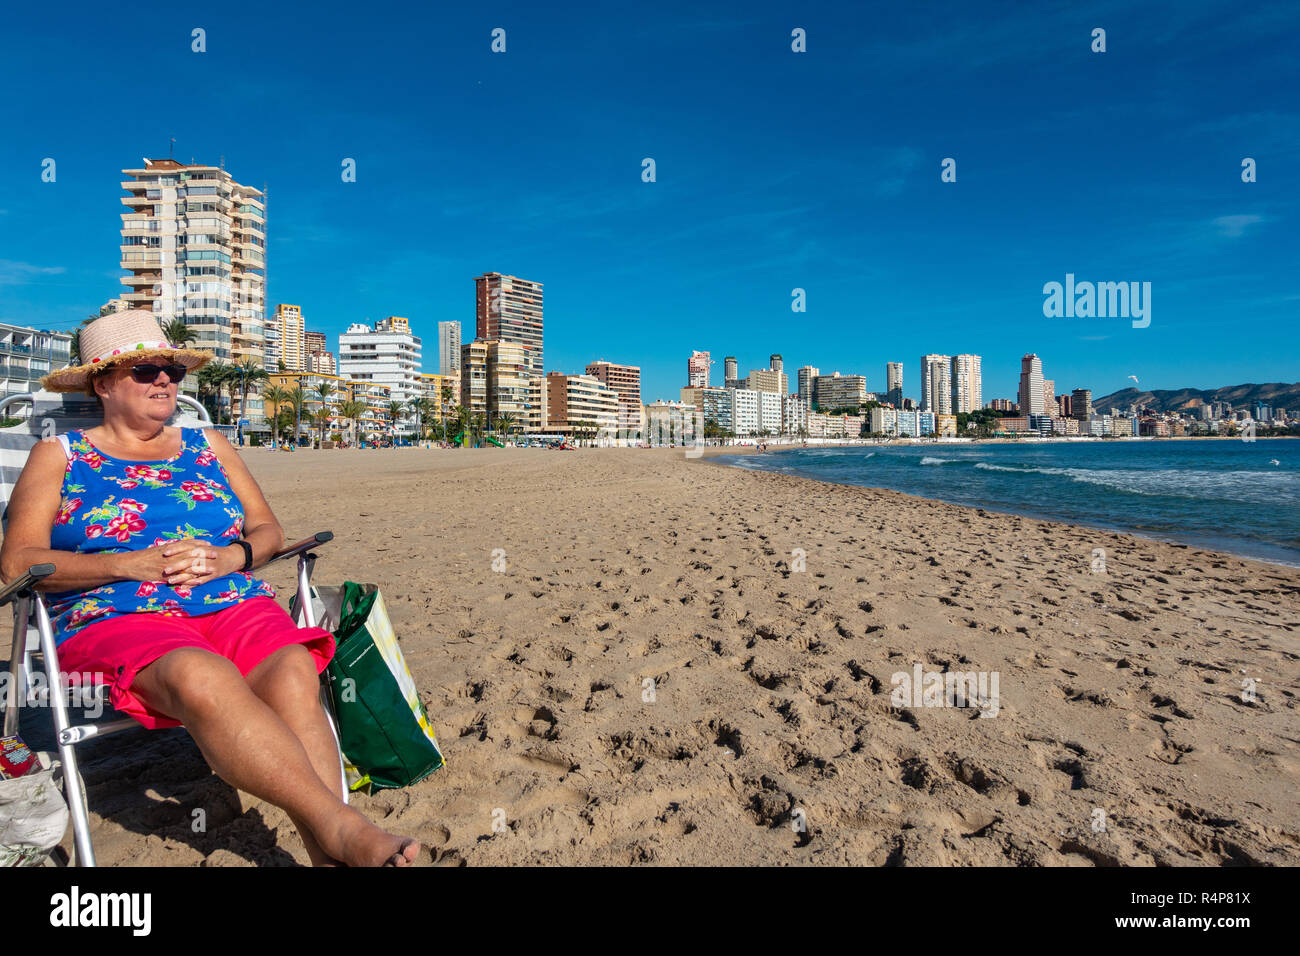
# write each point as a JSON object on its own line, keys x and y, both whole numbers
{"x": 223, "y": 162}
{"x": 171, "y": 147}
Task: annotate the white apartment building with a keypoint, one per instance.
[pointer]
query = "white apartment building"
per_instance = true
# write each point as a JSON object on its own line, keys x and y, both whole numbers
{"x": 936, "y": 384}
{"x": 387, "y": 354}
{"x": 794, "y": 413}
{"x": 967, "y": 384}
{"x": 894, "y": 421}
{"x": 1031, "y": 392}
{"x": 272, "y": 353}
{"x": 194, "y": 243}
{"x": 744, "y": 411}
{"x": 26, "y": 355}
{"x": 769, "y": 412}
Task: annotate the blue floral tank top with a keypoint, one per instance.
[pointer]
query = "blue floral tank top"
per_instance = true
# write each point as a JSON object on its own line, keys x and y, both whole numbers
{"x": 110, "y": 505}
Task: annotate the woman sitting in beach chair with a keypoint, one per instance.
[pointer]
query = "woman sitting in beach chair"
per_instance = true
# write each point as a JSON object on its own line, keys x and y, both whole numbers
{"x": 153, "y": 531}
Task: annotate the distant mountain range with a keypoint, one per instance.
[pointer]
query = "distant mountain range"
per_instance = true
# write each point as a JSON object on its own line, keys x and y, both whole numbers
{"x": 1276, "y": 394}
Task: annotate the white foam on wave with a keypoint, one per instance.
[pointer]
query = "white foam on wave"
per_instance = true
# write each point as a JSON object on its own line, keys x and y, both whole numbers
{"x": 1263, "y": 487}
{"x": 927, "y": 460}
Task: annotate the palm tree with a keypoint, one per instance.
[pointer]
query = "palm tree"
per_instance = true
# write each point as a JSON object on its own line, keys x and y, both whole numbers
{"x": 506, "y": 422}
{"x": 323, "y": 392}
{"x": 251, "y": 374}
{"x": 74, "y": 353}
{"x": 422, "y": 407}
{"x": 296, "y": 397}
{"x": 320, "y": 419}
{"x": 450, "y": 411}
{"x": 178, "y": 333}
{"x": 274, "y": 396}
{"x": 464, "y": 420}
{"x": 352, "y": 411}
{"x": 284, "y": 422}
{"x": 277, "y": 397}
{"x": 446, "y": 401}
{"x": 479, "y": 427}
{"x": 395, "y": 410}
{"x": 212, "y": 381}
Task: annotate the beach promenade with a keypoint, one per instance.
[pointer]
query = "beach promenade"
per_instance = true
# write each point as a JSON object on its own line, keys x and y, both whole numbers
{"x": 631, "y": 657}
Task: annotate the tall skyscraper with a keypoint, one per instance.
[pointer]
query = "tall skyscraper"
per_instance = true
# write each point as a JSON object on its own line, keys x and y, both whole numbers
{"x": 967, "y": 384}
{"x": 807, "y": 374}
{"x": 194, "y": 241}
{"x": 1081, "y": 403}
{"x": 1030, "y": 395}
{"x": 448, "y": 347}
{"x": 509, "y": 309}
{"x": 730, "y": 371}
{"x": 776, "y": 363}
{"x": 697, "y": 370}
{"x": 1049, "y": 397}
{"x": 936, "y": 384}
{"x": 894, "y": 383}
{"x": 291, "y": 334}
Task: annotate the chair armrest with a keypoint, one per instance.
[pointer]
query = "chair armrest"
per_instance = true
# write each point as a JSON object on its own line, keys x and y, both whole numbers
{"x": 25, "y": 582}
{"x": 320, "y": 537}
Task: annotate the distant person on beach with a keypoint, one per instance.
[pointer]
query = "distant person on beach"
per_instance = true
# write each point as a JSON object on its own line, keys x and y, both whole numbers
{"x": 153, "y": 531}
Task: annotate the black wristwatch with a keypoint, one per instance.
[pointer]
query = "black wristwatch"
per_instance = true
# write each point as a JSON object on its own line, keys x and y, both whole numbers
{"x": 248, "y": 553}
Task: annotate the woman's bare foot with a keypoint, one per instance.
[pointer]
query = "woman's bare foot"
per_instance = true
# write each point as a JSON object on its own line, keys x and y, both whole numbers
{"x": 358, "y": 842}
{"x": 406, "y": 855}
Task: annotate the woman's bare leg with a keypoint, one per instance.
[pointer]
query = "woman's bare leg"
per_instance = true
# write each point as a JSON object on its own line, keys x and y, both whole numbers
{"x": 287, "y": 682}
{"x": 250, "y": 747}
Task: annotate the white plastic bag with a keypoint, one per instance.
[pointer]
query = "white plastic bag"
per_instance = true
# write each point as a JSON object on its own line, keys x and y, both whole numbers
{"x": 33, "y": 816}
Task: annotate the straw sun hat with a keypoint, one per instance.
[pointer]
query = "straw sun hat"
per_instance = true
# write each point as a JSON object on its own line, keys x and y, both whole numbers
{"x": 130, "y": 336}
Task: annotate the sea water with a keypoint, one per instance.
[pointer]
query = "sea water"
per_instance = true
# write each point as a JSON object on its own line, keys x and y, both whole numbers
{"x": 1237, "y": 496}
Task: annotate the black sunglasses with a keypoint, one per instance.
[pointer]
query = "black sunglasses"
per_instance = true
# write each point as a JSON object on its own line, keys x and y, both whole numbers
{"x": 144, "y": 374}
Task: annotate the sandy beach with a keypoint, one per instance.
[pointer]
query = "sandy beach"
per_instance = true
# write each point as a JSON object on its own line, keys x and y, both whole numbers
{"x": 771, "y": 614}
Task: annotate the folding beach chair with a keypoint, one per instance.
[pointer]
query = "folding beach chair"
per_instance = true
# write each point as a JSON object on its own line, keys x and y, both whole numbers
{"x": 46, "y": 414}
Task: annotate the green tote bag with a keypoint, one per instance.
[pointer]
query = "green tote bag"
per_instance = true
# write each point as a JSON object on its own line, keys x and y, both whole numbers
{"x": 383, "y": 728}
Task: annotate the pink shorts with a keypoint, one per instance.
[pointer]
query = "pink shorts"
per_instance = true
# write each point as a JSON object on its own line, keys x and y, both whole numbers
{"x": 245, "y": 634}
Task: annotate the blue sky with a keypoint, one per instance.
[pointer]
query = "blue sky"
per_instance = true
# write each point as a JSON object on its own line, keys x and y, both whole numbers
{"x": 775, "y": 170}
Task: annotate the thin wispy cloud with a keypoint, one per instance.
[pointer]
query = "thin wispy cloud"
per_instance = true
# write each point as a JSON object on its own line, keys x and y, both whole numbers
{"x": 1234, "y": 227}
{"x": 13, "y": 272}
